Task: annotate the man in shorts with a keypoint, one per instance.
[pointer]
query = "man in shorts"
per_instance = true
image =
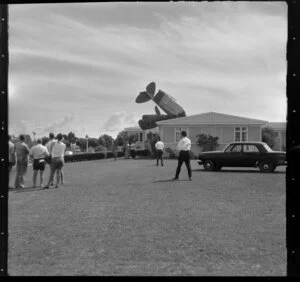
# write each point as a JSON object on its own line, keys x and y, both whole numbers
{"x": 38, "y": 153}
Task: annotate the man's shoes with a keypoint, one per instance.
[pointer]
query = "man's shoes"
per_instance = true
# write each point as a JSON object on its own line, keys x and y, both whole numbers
{"x": 175, "y": 178}
{"x": 162, "y": 164}
{"x": 46, "y": 187}
{"x": 190, "y": 178}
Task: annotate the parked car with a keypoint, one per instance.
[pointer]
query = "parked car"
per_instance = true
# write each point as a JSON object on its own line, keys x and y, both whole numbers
{"x": 243, "y": 154}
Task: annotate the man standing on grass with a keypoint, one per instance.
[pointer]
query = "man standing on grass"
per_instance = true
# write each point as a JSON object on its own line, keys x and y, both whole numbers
{"x": 22, "y": 152}
{"x": 38, "y": 153}
{"x": 159, "y": 146}
{"x": 11, "y": 155}
{"x": 183, "y": 147}
{"x": 132, "y": 149}
{"x": 58, "y": 150}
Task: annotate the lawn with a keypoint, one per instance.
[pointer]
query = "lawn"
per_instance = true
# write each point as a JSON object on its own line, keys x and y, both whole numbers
{"x": 126, "y": 217}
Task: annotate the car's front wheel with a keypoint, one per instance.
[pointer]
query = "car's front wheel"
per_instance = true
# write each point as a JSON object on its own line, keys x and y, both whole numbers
{"x": 266, "y": 166}
{"x": 209, "y": 165}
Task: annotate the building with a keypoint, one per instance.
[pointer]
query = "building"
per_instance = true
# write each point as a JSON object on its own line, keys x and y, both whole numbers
{"x": 280, "y": 134}
{"x": 228, "y": 128}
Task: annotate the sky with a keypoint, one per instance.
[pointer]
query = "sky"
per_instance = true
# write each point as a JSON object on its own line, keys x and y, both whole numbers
{"x": 80, "y": 66}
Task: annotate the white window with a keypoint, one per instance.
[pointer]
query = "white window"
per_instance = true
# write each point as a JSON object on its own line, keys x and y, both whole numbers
{"x": 240, "y": 134}
{"x": 178, "y": 133}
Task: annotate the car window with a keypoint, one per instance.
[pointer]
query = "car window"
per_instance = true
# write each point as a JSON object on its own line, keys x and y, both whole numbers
{"x": 266, "y": 146}
{"x": 236, "y": 148}
{"x": 250, "y": 149}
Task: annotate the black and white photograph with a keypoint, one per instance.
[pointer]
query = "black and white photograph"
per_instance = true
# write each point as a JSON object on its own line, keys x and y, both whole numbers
{"x": 147, "y": 138}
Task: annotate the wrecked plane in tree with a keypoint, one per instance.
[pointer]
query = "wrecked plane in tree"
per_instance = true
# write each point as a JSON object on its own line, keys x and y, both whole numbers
{"x": 166, "y": 102}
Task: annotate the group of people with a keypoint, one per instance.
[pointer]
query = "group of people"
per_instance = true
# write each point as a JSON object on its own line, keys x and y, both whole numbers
{"x": 183, "y": 147}
{"x": 52, "y": 153}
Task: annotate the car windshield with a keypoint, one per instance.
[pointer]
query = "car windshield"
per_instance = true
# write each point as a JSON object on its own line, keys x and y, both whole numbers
{"x": 266, "y": 146}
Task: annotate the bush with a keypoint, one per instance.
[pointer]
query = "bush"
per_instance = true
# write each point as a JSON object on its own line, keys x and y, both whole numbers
{"x": 142, "y": 153}
{"x": 207, "y": 142}
{"x": 84, "y": 157}
{"x": 171, "y": 152}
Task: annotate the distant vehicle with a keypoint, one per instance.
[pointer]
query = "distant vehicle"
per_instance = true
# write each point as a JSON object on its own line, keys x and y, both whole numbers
{"x": 68, "y": 153}
{"x": 243, "y": 154}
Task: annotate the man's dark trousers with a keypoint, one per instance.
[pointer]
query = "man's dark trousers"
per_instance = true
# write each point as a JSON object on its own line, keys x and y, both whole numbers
{"x": 184, "y": 157}
{"x": 159, "y": 156}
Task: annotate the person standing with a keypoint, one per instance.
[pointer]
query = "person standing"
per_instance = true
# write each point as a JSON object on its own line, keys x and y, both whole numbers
{"x": 183, "y": 147}
{"x": 132, "y": 149}
{"x": 49, "y": 145}
{"x": 11, "y": 155}
{"x": 22, "y": 152}
{"x": 57, "y": 160}
{"x": 159, "y": 147}
{"x": 38, "y": 153}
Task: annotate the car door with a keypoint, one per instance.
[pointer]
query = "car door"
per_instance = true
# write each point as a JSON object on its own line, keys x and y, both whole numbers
{"x": 250, "y": 155}
{"x": 232, "y": 155}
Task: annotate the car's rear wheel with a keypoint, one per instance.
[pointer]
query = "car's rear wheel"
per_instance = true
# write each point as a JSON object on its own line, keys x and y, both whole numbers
{"x": 266, "y": 166}
{"x": 209, "y": 165}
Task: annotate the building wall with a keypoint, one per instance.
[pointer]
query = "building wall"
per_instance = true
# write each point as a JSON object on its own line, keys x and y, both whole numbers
{"x": 225, "y": 134}
{"x": 254, "y": 133}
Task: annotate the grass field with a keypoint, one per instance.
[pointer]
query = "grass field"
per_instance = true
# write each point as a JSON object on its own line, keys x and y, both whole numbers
{"x": 126, "y": 217}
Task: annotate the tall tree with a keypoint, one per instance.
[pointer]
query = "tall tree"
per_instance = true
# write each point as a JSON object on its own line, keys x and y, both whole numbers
{"x": 268, "y": 136}
{"x": 121, "y": 138}
{"x": 106, "y": 141}
{"x": 72, "y": 137}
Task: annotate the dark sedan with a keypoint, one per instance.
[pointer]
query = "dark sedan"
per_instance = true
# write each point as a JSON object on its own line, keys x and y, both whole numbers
{"x": 243, "y": 154}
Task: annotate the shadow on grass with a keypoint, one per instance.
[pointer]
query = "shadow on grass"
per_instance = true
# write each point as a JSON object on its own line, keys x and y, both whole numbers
{"x": 22, "y": 190}
{"x": 170, "y": 180}
{"x": 240, "y": 171}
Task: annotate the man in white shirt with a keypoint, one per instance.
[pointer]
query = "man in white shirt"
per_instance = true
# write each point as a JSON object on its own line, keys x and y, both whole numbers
{"x": 38, "y": 153}
{"x": 159, "y": 146}
{"x": 58, "y": 150}
{"x": 183, "y": 147}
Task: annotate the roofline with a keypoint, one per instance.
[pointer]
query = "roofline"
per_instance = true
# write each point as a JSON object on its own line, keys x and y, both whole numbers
{"x": 254, "y": 121}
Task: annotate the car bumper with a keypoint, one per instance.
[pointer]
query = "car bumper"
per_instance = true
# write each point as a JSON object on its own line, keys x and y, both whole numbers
{"x": 200, "y": 162}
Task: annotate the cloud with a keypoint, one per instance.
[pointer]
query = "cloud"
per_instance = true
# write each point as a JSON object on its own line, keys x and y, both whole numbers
{"x": 118, "y": 121}
{"x": 59, "y": 125}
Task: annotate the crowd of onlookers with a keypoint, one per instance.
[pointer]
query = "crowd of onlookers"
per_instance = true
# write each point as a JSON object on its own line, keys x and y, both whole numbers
{"x": 52, "y": 154}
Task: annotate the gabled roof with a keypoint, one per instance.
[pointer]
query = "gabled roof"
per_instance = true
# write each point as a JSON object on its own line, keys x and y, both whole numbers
{"x": 212, "y": 118}
{"x": 277, "y": 125}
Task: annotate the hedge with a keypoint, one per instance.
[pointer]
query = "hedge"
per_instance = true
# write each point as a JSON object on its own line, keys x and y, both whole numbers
{"x": 100, "y": 155}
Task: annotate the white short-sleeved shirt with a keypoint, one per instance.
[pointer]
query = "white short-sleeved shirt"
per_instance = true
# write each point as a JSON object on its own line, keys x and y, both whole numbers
{"x": 38, "y": 151}
{"x": 184, "y": 144}
{"x": 58, "y": 150}
{"x": 159, "y": 145}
